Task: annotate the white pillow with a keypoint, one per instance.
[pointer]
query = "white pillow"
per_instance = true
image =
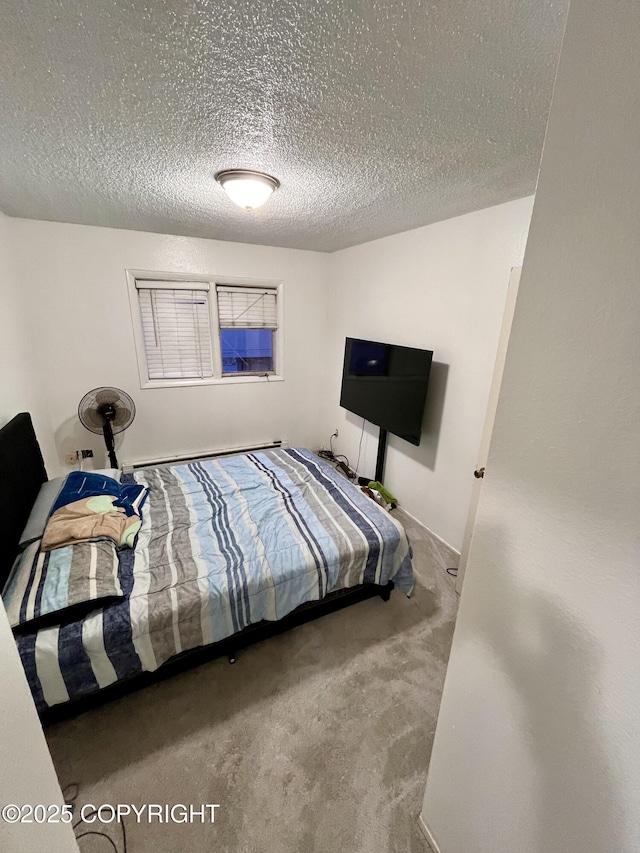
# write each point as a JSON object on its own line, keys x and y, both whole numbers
{"x": 37, "y": 521}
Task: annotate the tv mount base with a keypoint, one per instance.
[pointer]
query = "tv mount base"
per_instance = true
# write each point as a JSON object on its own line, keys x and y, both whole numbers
{"x": 382, "y": 452}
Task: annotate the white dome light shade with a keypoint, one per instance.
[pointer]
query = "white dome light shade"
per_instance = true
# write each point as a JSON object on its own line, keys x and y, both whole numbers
{"x": 246, "y": 188}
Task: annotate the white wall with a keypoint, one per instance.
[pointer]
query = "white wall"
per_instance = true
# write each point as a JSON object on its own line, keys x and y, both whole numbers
{"x": 538, "y": 738}
{"x": 419, "y": 288}
{"x": 442, "y": 287}
{"x": 26, "y": 770}
{"x": 80, "y": 314}
{"x": 14, "y": 348}
{"x": 20, "y": 381}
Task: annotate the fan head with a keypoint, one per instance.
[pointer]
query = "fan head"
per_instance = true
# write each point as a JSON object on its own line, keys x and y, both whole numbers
{"x": 104, "y": 404}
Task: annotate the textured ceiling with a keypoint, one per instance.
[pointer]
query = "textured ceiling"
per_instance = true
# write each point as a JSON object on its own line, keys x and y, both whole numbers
{"x": 376, "y": 116}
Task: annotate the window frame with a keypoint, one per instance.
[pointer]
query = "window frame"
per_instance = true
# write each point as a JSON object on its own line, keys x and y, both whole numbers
{"x": 212, "y": 281}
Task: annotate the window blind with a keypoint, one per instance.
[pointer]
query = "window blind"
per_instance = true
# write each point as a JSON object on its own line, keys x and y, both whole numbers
{"x": 176, "y": 328}
{"x": 247, "y": 307}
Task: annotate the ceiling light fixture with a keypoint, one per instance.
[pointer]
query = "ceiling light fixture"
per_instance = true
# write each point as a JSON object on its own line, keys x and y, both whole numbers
{"x": 246, "y": 188}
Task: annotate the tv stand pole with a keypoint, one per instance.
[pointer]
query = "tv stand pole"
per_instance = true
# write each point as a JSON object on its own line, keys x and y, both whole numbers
{"x": 382, "y": 450}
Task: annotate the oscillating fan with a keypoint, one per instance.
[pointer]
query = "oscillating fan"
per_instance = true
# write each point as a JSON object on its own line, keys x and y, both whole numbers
{"x": 107, "y": 411}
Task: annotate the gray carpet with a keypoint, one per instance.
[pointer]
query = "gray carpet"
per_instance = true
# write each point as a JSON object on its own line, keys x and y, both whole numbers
{"x": 315, "y": 741}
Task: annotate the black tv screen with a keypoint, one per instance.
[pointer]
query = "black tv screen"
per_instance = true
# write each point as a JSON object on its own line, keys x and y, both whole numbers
{"x": 386, "y": 385}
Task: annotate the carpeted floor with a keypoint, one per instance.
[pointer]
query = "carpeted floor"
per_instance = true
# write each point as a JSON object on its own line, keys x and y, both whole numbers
{"x": 316, "y": 741}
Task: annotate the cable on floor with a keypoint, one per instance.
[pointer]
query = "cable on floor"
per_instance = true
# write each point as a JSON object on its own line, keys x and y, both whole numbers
{"x": 70, "y": 794}
{"x": 100, "y": 835}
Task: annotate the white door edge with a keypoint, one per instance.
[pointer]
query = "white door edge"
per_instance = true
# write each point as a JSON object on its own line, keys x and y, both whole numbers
{"x": 487, "y": 431}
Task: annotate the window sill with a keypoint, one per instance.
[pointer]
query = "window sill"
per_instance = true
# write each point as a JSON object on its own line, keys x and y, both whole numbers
{"x": 226, "y": 380}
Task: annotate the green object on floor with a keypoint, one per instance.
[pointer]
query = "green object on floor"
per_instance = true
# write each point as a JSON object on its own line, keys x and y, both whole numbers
{"x": 388, "y": 497}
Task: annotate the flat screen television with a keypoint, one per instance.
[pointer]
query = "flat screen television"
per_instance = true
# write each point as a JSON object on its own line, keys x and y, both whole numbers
{"x": 386, "y": 385}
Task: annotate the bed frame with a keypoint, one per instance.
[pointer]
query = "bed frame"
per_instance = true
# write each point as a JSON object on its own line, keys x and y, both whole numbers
{"x": 22, "y": 473}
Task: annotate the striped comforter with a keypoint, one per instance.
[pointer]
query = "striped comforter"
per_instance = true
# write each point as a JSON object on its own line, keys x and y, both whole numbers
{"x": 224, "y": 543}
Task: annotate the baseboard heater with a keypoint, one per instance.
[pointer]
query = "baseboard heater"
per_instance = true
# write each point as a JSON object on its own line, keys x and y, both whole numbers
{"x": 200, "y": 455}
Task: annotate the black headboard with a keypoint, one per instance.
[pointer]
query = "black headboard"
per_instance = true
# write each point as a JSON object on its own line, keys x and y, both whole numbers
{"x": 22, "y": 472}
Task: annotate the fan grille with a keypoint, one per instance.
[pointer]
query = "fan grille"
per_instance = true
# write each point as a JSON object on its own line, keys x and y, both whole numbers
{"x": 91, "y": 416}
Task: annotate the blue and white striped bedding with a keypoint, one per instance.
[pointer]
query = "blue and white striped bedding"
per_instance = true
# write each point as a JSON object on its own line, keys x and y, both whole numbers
{"x": 225, "y": 543}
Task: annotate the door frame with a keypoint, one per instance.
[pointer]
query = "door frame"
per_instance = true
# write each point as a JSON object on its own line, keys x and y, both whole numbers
{"x": 487, "y": 430}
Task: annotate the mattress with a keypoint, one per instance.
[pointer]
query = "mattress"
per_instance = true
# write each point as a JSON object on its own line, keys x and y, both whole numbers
{"x": 224, "y": 544}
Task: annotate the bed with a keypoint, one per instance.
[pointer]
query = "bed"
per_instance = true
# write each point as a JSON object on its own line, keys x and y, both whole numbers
{"x": 230, "y": 551}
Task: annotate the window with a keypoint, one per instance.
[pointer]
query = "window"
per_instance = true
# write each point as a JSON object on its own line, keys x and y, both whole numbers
{"x": 191, "y": 332}
{"x": 176, "y": 329}
{"x": 248, "y": 321}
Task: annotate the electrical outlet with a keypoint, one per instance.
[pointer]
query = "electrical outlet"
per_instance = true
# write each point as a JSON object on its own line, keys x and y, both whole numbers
{"x": 71, "y": 458}
{"x": 335, "y": 432}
